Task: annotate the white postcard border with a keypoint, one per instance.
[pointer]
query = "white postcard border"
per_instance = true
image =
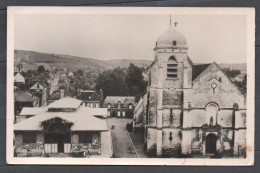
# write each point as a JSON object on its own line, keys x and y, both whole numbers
{"x": 249, "y": 12}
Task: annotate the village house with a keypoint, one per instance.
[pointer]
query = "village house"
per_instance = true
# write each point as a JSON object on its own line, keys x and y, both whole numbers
{"x": 39, "y": 89}
{"x": 190, "y": 110}
{"x": 91, "y": 98}
{"x": 19, "y": 79}
{"x": 64, "y": 129}
{"x": 120, "y": 106}
{"x": 57, "y": 95}
{"x": 24, "y": 99}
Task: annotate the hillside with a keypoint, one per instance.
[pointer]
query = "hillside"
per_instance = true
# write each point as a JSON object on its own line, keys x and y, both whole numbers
{"x": 31, "y": 60}
{"x": 124, "y": 63}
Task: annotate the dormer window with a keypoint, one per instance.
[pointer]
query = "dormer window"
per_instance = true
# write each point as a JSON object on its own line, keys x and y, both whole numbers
{"x": 108, "y": 106}
{"x": 118, "y": 106}
{"x": 130, "y": 106}
{"x": 174, "y": 43}
{"x": 172, "y": 68}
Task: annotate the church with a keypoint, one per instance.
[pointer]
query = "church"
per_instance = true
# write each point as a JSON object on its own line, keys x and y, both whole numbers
{"x": 190, "y": 110}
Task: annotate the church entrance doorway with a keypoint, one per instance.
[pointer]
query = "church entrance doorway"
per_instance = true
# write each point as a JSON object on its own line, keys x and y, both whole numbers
{"x": 211, "y": 143}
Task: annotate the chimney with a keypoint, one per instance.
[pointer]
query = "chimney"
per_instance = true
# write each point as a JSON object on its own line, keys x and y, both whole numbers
{"x": 62, "y": 93}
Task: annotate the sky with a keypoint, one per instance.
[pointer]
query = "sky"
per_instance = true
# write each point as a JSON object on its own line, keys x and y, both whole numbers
{"x": 219, "y": 38}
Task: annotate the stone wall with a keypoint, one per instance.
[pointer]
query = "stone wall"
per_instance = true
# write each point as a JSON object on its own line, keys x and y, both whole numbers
{"x": 171, "y": 139}
{"x": 225, "y": 94}
{"x": 29, "y": 149}
{"x": 92, "y": 148}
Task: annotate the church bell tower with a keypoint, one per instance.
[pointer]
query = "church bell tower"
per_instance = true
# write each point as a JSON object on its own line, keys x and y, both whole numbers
{"x": 169, "y": 88}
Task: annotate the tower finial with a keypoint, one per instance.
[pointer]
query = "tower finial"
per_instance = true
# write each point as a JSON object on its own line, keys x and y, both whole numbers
{"x": 170, "y": 19}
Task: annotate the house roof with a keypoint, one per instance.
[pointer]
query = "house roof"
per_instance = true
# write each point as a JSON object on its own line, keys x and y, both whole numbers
{"x": 81, "y": 121}
{"x": 32, "y": 110}
{"x": 123, "y": 99}
{"x": 21, "y": 96}
{"x": 89, "y": 95}
{"x": 198, "y": 69}
{"x": 38, "y": 85}
{"x": 66, "y": 102}
{"x": 56, "y": 95}
{"x": 19, "y": 78}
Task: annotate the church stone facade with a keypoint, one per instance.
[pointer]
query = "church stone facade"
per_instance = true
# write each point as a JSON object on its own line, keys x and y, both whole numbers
{"x": 191, "y": 110}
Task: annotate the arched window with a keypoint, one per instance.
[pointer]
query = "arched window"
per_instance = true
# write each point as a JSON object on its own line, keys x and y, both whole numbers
{"x": 212, "y": 111}
{"x": 172, "y": 68}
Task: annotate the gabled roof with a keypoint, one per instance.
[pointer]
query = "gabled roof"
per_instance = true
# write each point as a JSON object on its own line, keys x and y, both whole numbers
{"x": 81, "y": 121}
{"x": 56, "y": 95}
{"x": 32, "y": 110}
{"x": 123, "y": 99}
{"x": 19, "y": 78}
{"x": 21, "y": 96}
{"x": 214, "y": 63}
{"x": 66, "y": 102}
{"x": 89, "y": 95}
{"x": 38, "y": 85}
{"x": 198, "y": 69}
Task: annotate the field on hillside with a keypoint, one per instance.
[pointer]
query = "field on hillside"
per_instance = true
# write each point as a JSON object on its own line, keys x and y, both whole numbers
{"x": 31, "y": 60}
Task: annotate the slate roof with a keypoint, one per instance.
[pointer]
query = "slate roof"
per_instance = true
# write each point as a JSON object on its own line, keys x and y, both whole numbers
{"x": 89, "y": 95}
{"x": 125, "y": 100}
{"x": 21, "y": 96}
{"x": 56, "y": 95}
{"x": 198, "y": 69}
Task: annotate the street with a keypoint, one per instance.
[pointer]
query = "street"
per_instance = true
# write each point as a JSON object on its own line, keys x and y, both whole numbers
{"x": 122, "y": 145}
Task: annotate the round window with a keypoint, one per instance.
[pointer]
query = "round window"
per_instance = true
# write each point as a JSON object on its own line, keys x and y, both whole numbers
{"x": 214, "y": 85}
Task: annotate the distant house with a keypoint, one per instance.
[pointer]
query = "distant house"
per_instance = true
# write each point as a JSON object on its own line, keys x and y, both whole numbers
{"x": 66, "y": 128}
{"x": 120, "y": 106}
{"x": 57, "y": 95}
{"x": 18, "y": 78}
{"x": 91, "y": 98}
{"x": 24, "y": 99}
{"x": 71, "y": 74}
{"x": 39, "y": 89}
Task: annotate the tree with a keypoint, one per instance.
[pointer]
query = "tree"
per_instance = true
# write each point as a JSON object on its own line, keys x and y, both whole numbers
{"x": 135, "y": 81}
{"x": 119, "y": 82}
{"x": 41, "y": 69}
{"x": 112, "y": 82}
{"x": 80, "y": 72}
{"x": 231, "y": 73}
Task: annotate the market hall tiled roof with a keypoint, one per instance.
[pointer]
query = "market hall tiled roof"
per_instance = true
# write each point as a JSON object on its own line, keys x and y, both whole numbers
{"x": 198, "y": 69}
{"x": 81, "y": 121}
{"x": 32, "y": 110}
{"x": 66, "y": 102}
